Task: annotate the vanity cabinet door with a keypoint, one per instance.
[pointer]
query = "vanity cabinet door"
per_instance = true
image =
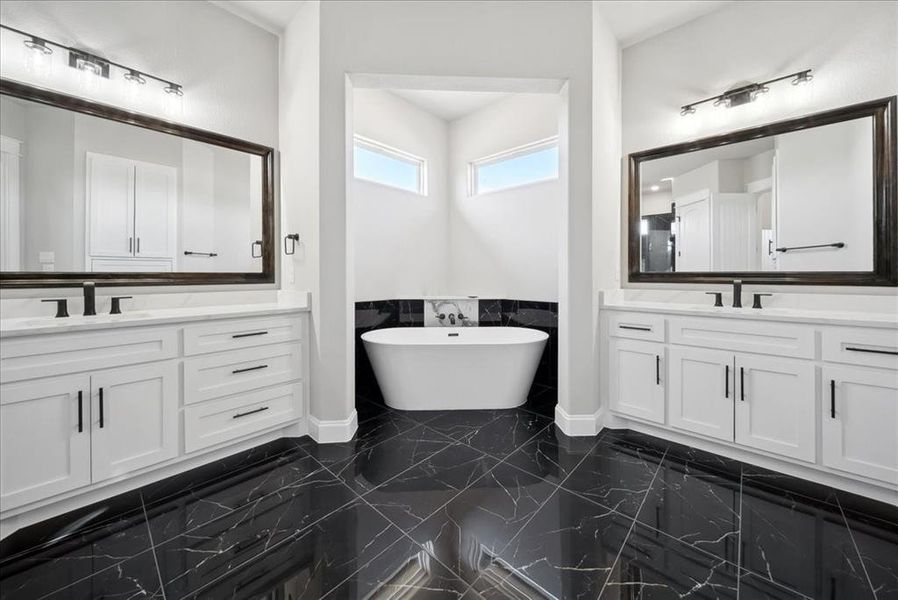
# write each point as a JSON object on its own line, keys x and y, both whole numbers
{"x": 637, "y": 378}
{"x": 701, "y": 391}
{"x": 134, "y": 418}
{"x": 775, "y": 405}
{"x": 44, "y": 438}
{"x": 155, "y": 211}
{"x": 859, "y": 421}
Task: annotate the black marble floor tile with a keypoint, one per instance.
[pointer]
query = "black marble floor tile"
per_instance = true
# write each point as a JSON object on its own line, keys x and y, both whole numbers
{"x": 755, "y": 587}
{"x": 761, "y": 478}
{"x": 707, "y": 461}
{"x": 379, "y": 463}
{"x": 37, "y": 573}
{"x": 653, "y": 565}
{"x": 696, "y": 507}
{"x": 212, "y": 550}
{"x": 551, "y": 455}
{"x": 468, "y": 533}
{"x": 292, "y": 475}
{"x": 370, "y": 433}
{"x": 617, "y": 473}
{"x": 367, "y": 409}
{"x": 878, "y": 547}
{"x": 134, "y": 578}
{"x": 801, "y": 545}
{"x": 305, "y": 567}
{"x": 568, "y": 548}
{"x": 496, "y": 432}
{"x": 404, "y": 570}
{"x": 416, "y": 493}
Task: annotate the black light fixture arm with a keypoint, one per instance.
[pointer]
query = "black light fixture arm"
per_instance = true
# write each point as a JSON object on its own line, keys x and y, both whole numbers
{"x": 797, "y": 77}
{"x": 93, "y": 57}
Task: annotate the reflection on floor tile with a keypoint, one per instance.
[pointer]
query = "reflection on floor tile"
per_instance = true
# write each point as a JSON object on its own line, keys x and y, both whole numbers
{"x": 470, "y": 505}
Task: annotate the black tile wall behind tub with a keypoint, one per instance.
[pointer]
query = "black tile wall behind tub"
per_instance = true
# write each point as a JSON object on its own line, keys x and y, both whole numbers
{"x": 380, "y": 314}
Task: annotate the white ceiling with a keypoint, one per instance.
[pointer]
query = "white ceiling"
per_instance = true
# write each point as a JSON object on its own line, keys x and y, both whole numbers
{"x": 633, "y": 22}
{"x": 449, "y": 105}
{"x": 273, "y": 15}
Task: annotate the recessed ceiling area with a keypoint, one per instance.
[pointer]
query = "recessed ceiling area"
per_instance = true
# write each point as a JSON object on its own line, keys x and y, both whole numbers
{"x": 633, "y": 22}
{"x": 449, "y": 105}
{"x": 272, "y": 15}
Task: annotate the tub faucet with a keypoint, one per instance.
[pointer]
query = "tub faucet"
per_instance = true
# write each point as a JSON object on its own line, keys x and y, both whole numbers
{"x": 452, "y": 318}
{"x": 737, "y": 293}
{"x": 90, "y": 299}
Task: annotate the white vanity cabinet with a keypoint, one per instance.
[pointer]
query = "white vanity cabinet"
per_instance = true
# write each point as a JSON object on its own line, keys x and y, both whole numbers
{"x": 818, "y": 400}
{"x": 84, "y": 413}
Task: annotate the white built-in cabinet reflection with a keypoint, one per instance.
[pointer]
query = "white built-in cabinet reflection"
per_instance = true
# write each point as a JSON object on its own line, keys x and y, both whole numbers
{"x": 131, "y": 215}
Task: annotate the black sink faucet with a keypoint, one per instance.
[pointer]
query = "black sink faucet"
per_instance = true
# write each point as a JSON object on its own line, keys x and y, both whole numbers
{"x": 90, "y": 299}
{"x": 737, "y": 293}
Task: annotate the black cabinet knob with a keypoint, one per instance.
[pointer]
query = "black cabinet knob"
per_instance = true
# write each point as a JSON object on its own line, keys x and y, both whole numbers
{"x": 718, "y": 298}
{"x": 116, "y": 304}
{"x": 757, "y": 300}
{"x": 62, "y": 309}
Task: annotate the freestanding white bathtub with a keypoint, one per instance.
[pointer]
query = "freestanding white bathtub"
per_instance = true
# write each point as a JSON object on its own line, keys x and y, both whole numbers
{"x": 442, "y": 368}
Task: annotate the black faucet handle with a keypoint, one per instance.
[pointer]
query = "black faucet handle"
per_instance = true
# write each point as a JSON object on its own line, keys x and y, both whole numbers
{"x": 757, "y": 300}
{"x": 116, "y": 304}
{"x": 718, "y": 298}
{"x": 62, "y": 309}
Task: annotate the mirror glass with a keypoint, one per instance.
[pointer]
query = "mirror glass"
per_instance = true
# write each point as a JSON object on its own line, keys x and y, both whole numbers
{"x": 799, "y": 201}
{"x": 86, "y": 194}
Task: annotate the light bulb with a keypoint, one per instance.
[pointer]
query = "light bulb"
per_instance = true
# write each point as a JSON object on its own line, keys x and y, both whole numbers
{"x": 173, "y": 104}
{"x": 39, "y": 56}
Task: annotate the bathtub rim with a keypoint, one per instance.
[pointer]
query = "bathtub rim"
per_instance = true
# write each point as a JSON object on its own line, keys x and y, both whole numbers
{"x": 541, "y": 336}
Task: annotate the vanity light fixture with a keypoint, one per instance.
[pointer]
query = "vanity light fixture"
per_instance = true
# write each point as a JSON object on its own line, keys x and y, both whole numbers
{"x": 746, "y": 93}
{"x": 92, "y": 67}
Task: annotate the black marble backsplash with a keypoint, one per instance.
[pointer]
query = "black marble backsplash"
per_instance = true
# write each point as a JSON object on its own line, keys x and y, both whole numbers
{"x": 380, "y": 314}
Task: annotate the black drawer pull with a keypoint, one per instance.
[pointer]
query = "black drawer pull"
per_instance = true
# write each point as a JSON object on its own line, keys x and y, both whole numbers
{"x": 832, "y": 398}
{"x": 101, "y": 408}
{"x": 890, "y": 352}
{"x": 247, "y": 369}
{"x": 634, "y": 327}
{"x": 80, "y": 411}
{"x": 243, "y": 335}
{"x": 727, "y": 381}
{"x": 249, "y": 412}
{"x": 657, "y": 370}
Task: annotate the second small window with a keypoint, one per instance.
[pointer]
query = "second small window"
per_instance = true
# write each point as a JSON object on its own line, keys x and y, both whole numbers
{"x": 376, "y": 162}
{"x": 533, "y": 163}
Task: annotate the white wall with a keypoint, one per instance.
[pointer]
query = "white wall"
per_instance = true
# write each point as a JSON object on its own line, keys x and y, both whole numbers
{"x": 852, "y": 47}
{"x": 401, "y": 238}
{"x": 549, "y": 40}
{"x": 228, "y": 67}
{"x": 505, "y": 244}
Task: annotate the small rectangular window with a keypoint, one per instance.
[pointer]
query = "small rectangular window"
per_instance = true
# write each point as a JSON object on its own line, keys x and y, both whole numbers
{"x": 525, "y": 165}
{"x": 378, "y": 163}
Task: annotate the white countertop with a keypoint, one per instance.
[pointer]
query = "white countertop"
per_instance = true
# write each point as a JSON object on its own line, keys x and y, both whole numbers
{"x": 790, "y": 315}
{"x": 25, "y": 326}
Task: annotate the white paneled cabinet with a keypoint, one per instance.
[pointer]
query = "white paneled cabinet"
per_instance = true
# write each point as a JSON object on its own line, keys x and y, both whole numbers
{"x": 860, "y": 421}
{"x": 701, "y": 391}
{"x": 775, "y": 405}
{"x": 134, "y": 419}
{"x": 637, "y": 383}
{"x": 44, "y": 438}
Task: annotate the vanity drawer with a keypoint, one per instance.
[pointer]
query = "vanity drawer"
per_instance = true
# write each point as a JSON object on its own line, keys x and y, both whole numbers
{"x": 226, "y": 419}
{"x": 48, "y": 355}
{"x": 226, "y": 373}
{"x": 760, "y": 337}
{"x": 235, "y": 334}
{"x": 861, "y": 346}
{"x": 636, "y": 326}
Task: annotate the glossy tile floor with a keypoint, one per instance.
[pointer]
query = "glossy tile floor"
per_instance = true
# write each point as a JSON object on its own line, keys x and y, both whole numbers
{"x": 472, "y": 505}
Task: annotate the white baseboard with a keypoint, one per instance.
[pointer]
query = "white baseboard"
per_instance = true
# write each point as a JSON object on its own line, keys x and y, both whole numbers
{"x": 578, "y": 425}
{"x": 331, "y": 432}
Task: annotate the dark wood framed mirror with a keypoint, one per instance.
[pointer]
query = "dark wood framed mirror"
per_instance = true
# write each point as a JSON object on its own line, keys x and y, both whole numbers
{"x": 807, "y": 201}
{"x": 95, "y": 192}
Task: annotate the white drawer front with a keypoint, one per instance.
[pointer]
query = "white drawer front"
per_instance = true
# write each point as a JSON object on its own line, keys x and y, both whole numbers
{"x": 229, "y": 418}
{"x": 778, "y": 339}
{"x": 226, "y": 373}
{"x": 636, "y": 326}
{"x": 48, "y": 355}
{"x": 861, "y": 346}
{"x": 240, "y": 333}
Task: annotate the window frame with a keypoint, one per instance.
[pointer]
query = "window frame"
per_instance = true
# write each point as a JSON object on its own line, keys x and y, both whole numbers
{"x": 505, "y": 155}
{"x": 395, "y": 153}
